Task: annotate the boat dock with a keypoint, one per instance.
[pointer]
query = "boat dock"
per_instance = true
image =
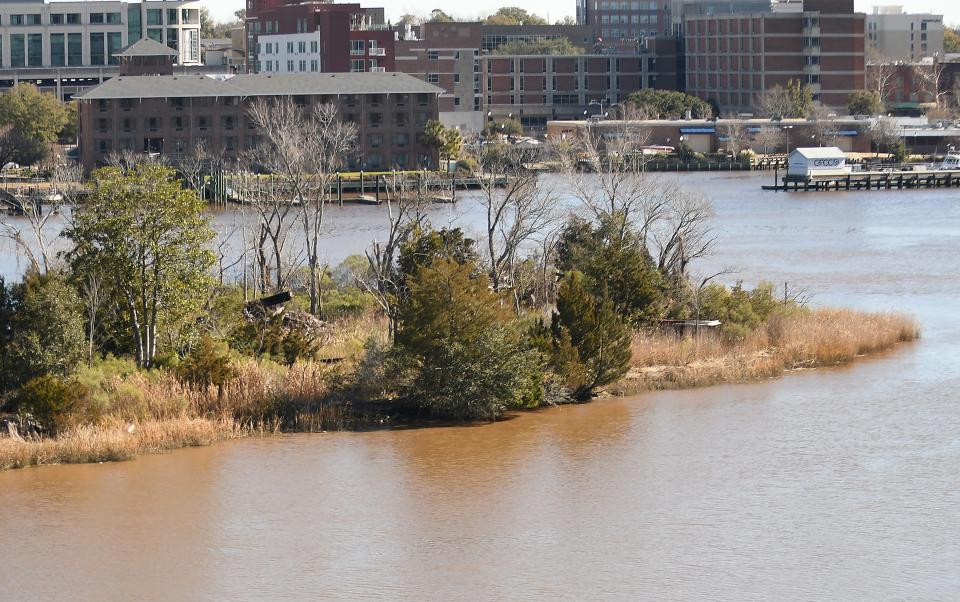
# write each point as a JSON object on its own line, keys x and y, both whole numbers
{"x": 869, "y": 180}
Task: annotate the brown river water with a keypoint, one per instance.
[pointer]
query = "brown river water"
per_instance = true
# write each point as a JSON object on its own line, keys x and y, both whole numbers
{"x": 839, "y": 484}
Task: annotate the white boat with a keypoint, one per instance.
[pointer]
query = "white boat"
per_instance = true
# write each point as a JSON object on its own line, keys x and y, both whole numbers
{"x": 951, "y": 162}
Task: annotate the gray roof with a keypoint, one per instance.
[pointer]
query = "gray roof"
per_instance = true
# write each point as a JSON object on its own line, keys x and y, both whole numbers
{"x": 305, "y": 84}
{"x": 147, "y": 47}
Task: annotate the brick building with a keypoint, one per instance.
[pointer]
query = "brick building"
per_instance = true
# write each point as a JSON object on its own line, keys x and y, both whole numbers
{"x": 294, "y": 37}
{"x": 168, "y": 115}
{"x": 537, "y": 89}
{"x": 732, "y": 58}
{"x": 481, "y": 83}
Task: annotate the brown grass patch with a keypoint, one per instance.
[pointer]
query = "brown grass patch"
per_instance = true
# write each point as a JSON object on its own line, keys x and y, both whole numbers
{"x": 802, "y": 339}
{"x": 114, "y": 440}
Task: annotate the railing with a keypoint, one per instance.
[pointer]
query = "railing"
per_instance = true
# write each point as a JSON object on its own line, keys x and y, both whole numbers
{"x": 377, "y": 52}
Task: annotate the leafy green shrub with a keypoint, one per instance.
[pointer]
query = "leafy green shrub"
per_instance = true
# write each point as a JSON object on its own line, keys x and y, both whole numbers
{"x": 457, "y": 353}
{"x": 740, "y": 311}
{"x": 56, "y": 403}
{"x": 210, "y": 365}
{"x": 43, "y": 329}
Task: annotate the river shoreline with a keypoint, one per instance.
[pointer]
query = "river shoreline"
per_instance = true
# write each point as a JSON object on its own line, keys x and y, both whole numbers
{"x": 819, "y": 339}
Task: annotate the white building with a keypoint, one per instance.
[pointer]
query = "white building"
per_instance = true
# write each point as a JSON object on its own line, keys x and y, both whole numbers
{"x": 64, "y": 35}
{"x": 893, "y": 34}
{"x": 289, "y": 53}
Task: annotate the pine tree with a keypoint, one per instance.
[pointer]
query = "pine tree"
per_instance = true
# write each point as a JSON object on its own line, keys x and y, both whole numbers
{"x": 593, "y": 328}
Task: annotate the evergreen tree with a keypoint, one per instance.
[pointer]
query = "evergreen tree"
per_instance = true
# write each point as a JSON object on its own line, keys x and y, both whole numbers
{"x": 588, "y": 325}
{"x": 613, "y": 261}
{"x": 457, "y": 353}
{"x": 41, "y": 329}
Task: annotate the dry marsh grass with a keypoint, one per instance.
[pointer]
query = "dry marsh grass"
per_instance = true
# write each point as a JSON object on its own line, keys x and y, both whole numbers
{"x": 115, "y": 440}
{"x": 803, "y": 339}
{"x": 154, "y": 412}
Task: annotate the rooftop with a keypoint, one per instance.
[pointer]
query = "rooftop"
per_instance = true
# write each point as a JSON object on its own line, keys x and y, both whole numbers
{"x": 306, "y": 84}
{"x": 147, "y": 47}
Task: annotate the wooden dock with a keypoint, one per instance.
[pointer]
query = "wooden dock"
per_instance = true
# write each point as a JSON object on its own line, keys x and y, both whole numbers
{"x": 870, "y": 180}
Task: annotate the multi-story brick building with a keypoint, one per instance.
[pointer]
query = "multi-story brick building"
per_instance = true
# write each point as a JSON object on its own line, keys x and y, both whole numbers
{"x": 338, "y": 37}
{"x": 730, "y": 59}
{"x": 537, "y": 89}
{"x": 169, "y": 114}
{"x": 467, "y": 60}
{"x": 66, "y": 46}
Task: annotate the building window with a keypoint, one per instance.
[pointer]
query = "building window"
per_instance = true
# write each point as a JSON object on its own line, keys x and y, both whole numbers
{"x": 357, "y": 47}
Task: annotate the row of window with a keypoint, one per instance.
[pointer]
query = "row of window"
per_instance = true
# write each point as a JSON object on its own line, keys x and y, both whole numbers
{"x": 178, "y": 123}
{"x": 26, "y": 50}
{"x": 625, "y": 33}
{"x": 154, "y": 17}
{"x": 301, "y": 66}
{"x": 624, "y": 5}
{"x": 349, "y": 101}
{"x": 292, "y": 47}
{"x": 361, "y": 47}
{"x": 627, "y": 19}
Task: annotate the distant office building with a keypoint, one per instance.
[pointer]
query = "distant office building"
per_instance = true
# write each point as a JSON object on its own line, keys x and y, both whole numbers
{"x": 290, "y": 36}
{"x": 730, "y": 59}
{"x": 38, "y": 35}
{"x": 66, "y": 47}
{"x": 614, "y": 20}
{"x": 894, "y": 35}
{"x": 486, "y": 74}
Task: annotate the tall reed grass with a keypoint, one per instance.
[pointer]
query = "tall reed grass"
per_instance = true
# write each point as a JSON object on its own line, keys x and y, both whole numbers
{"x": 801, "y": 339}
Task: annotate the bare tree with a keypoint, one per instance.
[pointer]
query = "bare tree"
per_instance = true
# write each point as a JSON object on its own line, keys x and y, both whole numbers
{"x": 604, "y": 166}
{"x": 672, "y": 223}
{"x": 774, "y": 103}
{"x": 884, "y": 133}
{"x": 684, "y": 234}
{"x": 824, "y": 126}
{"x": 735, "y": 133}
{"x": 405, "y": 213}
{"x": 928, "y": 82}
{"x": 519, "y": 207}
{"x": 770, "y": 138}
{"x": 94, "y": 296}
{"x": 303, "y": 149}
{"x": 881, "y": 74}
{"x": 38, "y": 208}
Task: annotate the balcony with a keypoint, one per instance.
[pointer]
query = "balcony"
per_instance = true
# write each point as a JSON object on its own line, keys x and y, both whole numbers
{"x": 378, "y": 69}
{"x": 378, "y": 52}
{"x": 811, "y": 69}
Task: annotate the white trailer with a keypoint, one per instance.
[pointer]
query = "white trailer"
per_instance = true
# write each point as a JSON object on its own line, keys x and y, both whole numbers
{"x": 806, "y": 163}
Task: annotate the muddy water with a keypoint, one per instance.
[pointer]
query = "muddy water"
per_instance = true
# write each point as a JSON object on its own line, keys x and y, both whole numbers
{"x": 829, "y": 485}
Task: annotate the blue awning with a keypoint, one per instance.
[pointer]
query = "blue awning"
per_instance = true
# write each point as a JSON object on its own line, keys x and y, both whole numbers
{"x": 849, "y": 133}
{"x": 698, "y": 130}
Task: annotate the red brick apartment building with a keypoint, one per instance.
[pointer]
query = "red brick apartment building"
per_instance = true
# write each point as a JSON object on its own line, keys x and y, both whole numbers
{"x": 732, "y": 58}
{"x": 482, "y": 84}
{"x": 169, "y": 114}
{"x": 310, "y": 36}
